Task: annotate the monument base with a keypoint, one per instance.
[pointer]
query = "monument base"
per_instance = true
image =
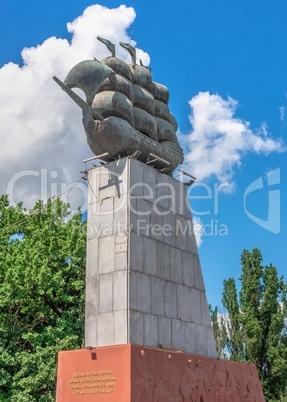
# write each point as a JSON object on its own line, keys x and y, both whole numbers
{"x": 133, "y": 373}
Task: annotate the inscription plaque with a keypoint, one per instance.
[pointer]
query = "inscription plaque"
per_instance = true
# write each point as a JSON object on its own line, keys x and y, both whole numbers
{"x": 96, "y": 374}
{"x": 95, "y": 382}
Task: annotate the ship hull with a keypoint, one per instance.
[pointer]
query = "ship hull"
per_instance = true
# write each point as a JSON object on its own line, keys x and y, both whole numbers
{"x": 118, "y": 138}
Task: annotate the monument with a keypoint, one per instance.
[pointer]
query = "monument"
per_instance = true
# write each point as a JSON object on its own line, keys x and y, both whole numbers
{"x": 148, "y": 333}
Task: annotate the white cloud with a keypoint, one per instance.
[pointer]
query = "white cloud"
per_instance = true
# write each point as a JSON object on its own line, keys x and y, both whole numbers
{"x": 219, "y": 140}
{"x": 282, "y": 110}
{"x": 40, "y": 126}
{"x": 198, "y": 227}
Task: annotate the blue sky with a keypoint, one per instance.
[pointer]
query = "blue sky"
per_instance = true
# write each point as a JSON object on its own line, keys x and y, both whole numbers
{"x": 225, "y": 65}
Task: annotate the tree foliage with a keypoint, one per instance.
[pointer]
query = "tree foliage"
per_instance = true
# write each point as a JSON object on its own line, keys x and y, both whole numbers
{"x": 254, "y": 327}
{"x": 42, "y": 268}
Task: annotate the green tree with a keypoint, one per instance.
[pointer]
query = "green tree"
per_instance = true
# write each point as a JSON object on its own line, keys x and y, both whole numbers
{"x": 42, "y": 269}
{"x": 254, "y": 326}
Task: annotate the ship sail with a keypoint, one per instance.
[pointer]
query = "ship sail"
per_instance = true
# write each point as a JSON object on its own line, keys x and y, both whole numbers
{"x": 88, "y": 76}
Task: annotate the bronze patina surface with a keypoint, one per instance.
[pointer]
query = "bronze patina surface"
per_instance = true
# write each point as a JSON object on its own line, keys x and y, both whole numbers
{"x": 125, "y": 113}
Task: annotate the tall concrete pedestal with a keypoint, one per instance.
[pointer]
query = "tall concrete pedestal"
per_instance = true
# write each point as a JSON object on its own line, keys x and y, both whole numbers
{"x": 144, "y": 280}
{"x": 148, "y": 333}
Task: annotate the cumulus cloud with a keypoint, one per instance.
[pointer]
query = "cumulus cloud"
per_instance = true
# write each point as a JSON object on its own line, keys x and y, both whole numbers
{"x": 198, "y": 226}
{"x": 219, "y": 140}
{"x": 42, "y": 138}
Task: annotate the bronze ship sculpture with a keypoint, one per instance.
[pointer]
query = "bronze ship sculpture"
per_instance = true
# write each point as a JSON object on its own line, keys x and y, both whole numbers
{"x": 125, "y": 112}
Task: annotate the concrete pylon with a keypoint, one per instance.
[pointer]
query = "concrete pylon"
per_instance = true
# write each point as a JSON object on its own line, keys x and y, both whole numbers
{"x": 144, "y": 283}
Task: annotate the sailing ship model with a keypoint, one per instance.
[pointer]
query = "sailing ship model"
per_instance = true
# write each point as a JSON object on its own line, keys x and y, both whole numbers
{"x": 125, "y": 113}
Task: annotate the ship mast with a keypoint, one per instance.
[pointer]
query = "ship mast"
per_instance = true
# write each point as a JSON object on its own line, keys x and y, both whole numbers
{"x": 131, "y": 50}
{"x": 109, "y": 44}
